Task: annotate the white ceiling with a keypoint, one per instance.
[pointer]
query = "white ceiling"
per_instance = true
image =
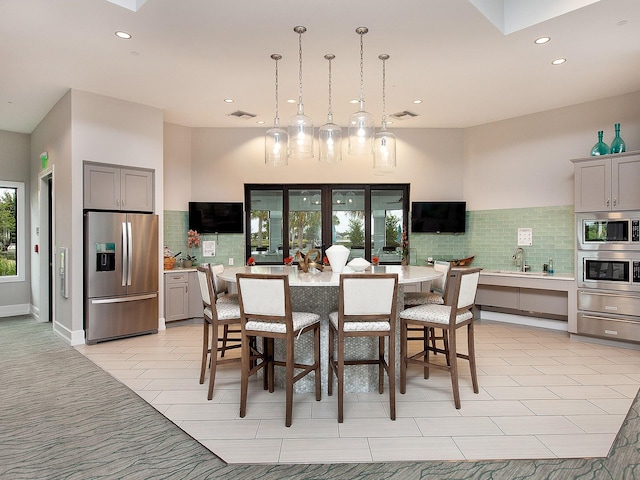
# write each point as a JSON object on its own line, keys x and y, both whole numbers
{"x": 187, "y": 56}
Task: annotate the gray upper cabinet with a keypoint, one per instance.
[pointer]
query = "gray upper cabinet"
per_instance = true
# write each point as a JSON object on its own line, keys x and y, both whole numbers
{"x": 607, "y": 183}
{"x": 110, "y": 187}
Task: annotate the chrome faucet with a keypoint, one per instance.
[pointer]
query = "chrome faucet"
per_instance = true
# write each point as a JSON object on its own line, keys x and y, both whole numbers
{"x": 523, "y": 266}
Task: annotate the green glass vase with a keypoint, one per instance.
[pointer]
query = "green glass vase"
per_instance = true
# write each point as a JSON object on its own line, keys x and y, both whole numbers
{"x": 617, "y": 145}
{"x": 600, "y": 148}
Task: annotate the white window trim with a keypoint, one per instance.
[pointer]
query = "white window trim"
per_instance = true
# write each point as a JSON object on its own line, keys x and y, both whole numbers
{"x": 21, "y": 239}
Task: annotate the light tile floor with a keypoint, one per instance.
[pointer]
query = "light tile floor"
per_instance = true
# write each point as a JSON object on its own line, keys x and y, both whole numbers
{"x": 542, "y": 395}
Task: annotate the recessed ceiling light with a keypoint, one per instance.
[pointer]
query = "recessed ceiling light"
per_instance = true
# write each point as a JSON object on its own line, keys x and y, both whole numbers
{"x": 417, "y": 101}
{"x": 559, "y": 61}
{"x": 228, "y": 100}
{"x": 260, "y": 122}
{"x": 542, "y": 40}
{"x": 124, "y": 35}
{"x": 354, "y": 101}
{"x": 291, "y": 100}
{"x": 389, "y": 122}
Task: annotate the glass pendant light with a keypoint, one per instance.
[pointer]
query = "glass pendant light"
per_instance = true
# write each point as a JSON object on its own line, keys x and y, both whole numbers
{"x": 276, "y": 139}
{"x": 330, "y": 134}
{"x": 361, "y": 123}
{"x": 300, "y": 126}
{"x": 384, "y": 143}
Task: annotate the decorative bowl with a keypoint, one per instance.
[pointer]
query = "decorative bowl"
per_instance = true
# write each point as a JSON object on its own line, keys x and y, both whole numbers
{"x": 358, "y": 264}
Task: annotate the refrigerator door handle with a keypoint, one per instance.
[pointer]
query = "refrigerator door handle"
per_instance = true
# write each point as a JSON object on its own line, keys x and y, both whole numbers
{"x": 129, "y": 253}
{"x": 135, "y": 298}
{"x": 125, "y": 255}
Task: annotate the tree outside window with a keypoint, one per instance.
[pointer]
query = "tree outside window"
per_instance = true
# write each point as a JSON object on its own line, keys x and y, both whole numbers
{"x": 8, "y": 231}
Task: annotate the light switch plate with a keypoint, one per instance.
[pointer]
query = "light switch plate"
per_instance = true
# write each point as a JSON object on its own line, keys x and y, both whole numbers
{"x": 525, "y": 237}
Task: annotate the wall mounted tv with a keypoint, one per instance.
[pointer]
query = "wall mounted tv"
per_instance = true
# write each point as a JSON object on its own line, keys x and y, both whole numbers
{"x": 216, "y": 217}
{"x": 438, "y": 217}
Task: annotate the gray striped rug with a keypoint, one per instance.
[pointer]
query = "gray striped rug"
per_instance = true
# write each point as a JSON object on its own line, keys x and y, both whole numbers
{"x": 62, "y": 417}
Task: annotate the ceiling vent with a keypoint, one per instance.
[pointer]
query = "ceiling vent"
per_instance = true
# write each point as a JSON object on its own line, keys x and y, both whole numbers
{"x": 405, "y": 114}
{"x": 241, "y": 114}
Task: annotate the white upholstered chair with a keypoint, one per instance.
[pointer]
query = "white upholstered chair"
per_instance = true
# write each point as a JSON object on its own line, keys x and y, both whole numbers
{"x": 265, "y": 311}
{"x": 435, "y": 295}
{"x": 366, "y": 308}
{"x": 221, "y": 290}
{"x": 463, "y": 285}
{"x": 215, "y": 315}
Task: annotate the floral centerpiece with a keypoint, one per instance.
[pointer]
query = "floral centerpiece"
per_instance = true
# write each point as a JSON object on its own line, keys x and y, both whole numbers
{"x": 288, "y": 261}
{"x": 325, "y": 261}
{"x": 193, "y": 240}
{"x": 251, "y": 261}
{"x": 375, "y": 260}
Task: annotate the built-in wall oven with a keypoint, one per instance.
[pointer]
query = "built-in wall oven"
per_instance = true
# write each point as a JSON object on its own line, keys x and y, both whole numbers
{"x": 608, "y": 274}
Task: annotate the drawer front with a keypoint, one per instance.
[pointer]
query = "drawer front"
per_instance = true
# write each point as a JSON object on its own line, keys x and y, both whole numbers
{"x": 176, "y": 277}
{"x": 609, "y": 302}
{"x": 606, "y": 327}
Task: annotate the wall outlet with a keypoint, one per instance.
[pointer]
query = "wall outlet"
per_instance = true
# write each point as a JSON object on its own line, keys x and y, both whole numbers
{"x": 230, "y": 261}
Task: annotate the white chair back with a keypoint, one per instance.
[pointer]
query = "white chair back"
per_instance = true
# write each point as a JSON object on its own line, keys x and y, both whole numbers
{"x": 203, "y": 281}
{"x": 263, "y": 296}
{"x": 439, "y": 284}
{"x": 219, "y": 286}
{"x": 368, "y": 295}
{"x": 468, "y": 289}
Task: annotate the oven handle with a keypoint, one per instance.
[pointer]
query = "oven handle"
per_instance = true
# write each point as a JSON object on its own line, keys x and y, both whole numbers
{"x": 593, "y": 317}
{"x": 619, "y": 295}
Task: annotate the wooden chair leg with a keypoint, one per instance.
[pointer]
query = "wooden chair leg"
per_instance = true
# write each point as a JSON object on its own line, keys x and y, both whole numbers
{"x": 289, "y": 382}
{"x": 391, "y": 373}
{"x": 214, "y": 359}
{"x": 244, "y": 375}
{"x": 330, "y": 363}
{"x": 453, "y": 359}
{"x": 316, "y": 338}
{"x": 381, "y": 362}
{"x": 425, "y": 345}
{"x": 205, "y": 350}
{"x": 472, "y": 357}
{"x": 403, "y": 356}
{"x": 340, "y": 375}
{"x": 225, "y": 337}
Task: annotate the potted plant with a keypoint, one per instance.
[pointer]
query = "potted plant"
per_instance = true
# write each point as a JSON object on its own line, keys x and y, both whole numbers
{"x": 193, "y": 240}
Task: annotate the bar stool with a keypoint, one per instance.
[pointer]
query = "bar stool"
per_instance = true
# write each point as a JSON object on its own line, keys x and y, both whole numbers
{"x": 463, "y": 285}
{"x": 215, "y": 315}
{"x": 265, "y": 311}
{"x": 367, "y": 308}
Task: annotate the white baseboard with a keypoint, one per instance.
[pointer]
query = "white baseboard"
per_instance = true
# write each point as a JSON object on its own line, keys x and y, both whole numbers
{"x": 14, "y": 310}
{"x": 524, "y": 320}
{"x": 72, "y": 337}
{"x": 162, "y": 324}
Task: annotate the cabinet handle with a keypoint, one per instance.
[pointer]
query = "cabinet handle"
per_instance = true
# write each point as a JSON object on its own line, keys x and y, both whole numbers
{"x": 607, "y": 202}
{"x": 615, "y": 202}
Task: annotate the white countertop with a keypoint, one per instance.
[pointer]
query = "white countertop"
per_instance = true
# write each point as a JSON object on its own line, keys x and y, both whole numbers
{"x": 327, "y": 278}
{"x": 518, "y": 274}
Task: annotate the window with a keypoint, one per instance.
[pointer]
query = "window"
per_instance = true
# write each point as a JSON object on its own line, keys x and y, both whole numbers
{"x": 12, "y": 231}
{"x": 286, "y": 219}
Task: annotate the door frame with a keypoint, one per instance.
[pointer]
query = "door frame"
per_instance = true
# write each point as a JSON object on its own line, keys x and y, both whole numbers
{"x": 46, "y": 234}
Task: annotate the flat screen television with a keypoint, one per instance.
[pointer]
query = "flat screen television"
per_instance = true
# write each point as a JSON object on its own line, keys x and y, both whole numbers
{"x": 216, "y": 217}
{"x": 438, "y": 217}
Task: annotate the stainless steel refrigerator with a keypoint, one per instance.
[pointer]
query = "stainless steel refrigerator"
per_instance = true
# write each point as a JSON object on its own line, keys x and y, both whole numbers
{"x": 120, "y": 275}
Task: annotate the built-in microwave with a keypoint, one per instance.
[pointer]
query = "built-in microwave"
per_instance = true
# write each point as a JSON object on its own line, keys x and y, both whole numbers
{"x": 609, "y": 270}
{"x": 608, "y": 231}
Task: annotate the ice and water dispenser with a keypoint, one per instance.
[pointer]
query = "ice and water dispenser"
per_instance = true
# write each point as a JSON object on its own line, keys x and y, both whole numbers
{"x": 106, "y": 257}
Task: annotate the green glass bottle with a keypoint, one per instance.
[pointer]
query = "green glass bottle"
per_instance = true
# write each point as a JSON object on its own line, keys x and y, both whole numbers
{"x": 600, "y": 148}
{"x": 617, "y": 145}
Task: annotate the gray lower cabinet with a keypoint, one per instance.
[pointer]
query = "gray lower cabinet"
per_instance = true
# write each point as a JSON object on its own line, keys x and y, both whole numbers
{"x": 182, "y": 298}
{"x": 523, "y": 300}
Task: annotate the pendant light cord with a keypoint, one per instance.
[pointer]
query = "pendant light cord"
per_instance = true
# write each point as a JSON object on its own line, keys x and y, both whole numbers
{"x": 276, "y": 57}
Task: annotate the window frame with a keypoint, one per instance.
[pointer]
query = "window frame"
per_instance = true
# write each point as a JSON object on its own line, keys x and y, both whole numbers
{"x": 326, "y": 200}
{"x": 21, "y": 241}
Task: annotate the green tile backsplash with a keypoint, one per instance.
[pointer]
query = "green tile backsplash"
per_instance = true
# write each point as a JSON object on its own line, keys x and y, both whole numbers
{"x": 491, "y": 236}
{"x": 176, "y": 226}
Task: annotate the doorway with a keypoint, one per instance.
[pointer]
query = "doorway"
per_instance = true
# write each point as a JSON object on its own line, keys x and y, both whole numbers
{"x": 45, "y": 235}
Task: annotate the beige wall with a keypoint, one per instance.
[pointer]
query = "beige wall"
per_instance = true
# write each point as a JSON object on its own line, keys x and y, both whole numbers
{"x": 177, "y": 167}
{"x": 525, "y": 161}
{"x": 224, "y": 159}
{"x": 14, "y": 167}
